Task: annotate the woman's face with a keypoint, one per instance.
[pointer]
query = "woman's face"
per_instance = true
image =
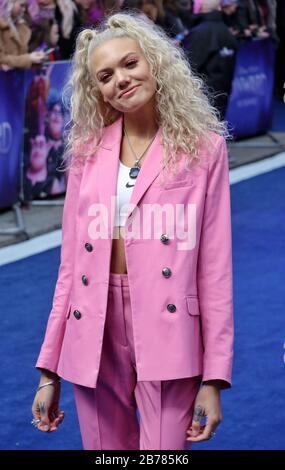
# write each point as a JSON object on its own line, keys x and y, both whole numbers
{"x": 55, "y": 121}
{"x": 18, "y": 8}
{"x": 123, "y": 74}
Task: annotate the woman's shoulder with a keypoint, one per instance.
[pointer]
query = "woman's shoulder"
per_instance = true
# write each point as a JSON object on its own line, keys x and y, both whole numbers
{"x": 211, "y": 140}
{"x": 211, "y": 147}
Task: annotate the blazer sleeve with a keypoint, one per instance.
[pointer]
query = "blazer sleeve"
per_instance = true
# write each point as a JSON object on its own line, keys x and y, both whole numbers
{"x": 214, "y": 272}
{"x": 51, "y": 347}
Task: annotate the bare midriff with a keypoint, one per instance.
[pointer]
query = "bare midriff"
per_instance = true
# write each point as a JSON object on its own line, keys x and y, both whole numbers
{"x": 118, "y": 260}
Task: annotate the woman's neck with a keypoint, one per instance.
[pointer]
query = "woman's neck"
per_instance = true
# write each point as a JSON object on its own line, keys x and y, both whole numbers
{"x": 139, "y": 126}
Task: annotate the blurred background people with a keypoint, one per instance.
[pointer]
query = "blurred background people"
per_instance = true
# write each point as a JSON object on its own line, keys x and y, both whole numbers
{"x": 45, "y": 14}
{"x": 15, "y": 35}
{"x": 256, "y": 18}
{"x": 68, "y": 19}
{"x": 46, "y": 38}
{"x": 211, "y": 49}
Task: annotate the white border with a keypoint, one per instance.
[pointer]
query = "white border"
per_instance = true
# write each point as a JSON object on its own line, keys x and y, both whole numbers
{"x": 51, "y": 240}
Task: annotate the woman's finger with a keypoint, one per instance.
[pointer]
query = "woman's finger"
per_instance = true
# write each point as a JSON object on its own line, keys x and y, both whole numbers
{"x": 196, "y": 421}
{"x": 44, "y": 424}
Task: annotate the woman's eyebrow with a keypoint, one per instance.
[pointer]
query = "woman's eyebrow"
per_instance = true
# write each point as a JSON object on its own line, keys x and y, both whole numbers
{"x": 121, "y": 60}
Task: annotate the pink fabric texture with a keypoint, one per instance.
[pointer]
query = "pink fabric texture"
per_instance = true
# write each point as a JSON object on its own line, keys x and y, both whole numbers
{"x": 197, "y": 336}
{"x": 107, "y": 414}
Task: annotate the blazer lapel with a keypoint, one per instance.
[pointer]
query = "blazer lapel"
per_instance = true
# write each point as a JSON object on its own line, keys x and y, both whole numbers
{"x": 109, "y": 167}
{"x": 150, "y": 169}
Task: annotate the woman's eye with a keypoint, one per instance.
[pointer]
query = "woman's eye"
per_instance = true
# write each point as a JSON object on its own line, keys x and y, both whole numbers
{"x": 105, "y": 78}
{"x": 132, "y": 63}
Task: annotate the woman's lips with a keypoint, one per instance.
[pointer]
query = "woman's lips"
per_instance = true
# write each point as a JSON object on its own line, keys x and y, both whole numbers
{"x": 130, "y": 92}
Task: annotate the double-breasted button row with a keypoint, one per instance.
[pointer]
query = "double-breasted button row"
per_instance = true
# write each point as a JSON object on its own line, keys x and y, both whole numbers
{"x": 164, "y": 238}
{"x": 88, "y": 247}
{"x": 77, "y": 314}
{"x": 166, "y": 272}
{"x": 171, "y": 308}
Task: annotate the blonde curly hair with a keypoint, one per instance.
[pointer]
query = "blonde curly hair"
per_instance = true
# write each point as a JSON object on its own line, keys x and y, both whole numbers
{"x": 182, "y": 108}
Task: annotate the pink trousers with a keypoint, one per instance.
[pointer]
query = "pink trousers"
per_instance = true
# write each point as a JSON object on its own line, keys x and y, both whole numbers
{"x": 108, "y": 413}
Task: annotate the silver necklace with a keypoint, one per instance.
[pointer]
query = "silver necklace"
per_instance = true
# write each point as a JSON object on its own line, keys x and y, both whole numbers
{"x": 134, "y": 170}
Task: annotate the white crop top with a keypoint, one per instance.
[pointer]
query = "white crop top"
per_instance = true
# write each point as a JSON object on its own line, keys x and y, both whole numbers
{"x": 123, "y": 194}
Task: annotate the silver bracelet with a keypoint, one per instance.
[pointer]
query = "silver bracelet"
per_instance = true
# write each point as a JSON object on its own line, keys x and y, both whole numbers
{"x": 51, "y": 382}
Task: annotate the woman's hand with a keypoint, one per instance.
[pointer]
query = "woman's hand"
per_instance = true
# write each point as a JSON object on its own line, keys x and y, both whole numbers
{"x": 45, "y": 406}
{"x": 37, "y": 57}
{"x": 207, "y": 404}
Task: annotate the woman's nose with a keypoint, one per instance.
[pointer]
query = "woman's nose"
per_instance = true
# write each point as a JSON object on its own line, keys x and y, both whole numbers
{"x": 122, "y": 79}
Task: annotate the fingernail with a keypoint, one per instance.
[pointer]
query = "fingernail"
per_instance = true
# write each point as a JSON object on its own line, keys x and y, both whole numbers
{"x": 45, "y": 428}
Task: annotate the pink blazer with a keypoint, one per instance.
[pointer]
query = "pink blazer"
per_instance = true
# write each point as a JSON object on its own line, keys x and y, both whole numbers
{"x": 182, "y": 315}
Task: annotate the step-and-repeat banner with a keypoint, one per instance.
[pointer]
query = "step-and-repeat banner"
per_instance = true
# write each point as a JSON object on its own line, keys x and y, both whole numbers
{"x": 43, "y": 142}
{"x": 32, "y": 120}
{"x": 11, "y": 137}
{"x": 250, "y": 106}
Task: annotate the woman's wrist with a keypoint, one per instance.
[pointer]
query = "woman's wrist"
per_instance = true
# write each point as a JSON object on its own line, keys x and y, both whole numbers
{"x": 47, "y": 375}
{"x": 217, "y": 383}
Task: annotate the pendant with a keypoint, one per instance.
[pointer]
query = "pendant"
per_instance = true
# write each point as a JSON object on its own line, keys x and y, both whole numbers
{"x": 134, "y": 171}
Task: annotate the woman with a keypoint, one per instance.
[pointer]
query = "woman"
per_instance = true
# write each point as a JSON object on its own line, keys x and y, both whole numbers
{"x": 14, "y": 37}
{"x": 140, "y": 320}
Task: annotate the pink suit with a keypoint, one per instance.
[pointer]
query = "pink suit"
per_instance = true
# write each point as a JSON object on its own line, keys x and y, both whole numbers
{"x": 180, "y": 294}
{"x": 107, "y": 413}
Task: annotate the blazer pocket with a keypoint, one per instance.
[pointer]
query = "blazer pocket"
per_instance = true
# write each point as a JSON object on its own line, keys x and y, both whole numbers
{"x": 192, "y": 305}
{"x": 185, "y": 183}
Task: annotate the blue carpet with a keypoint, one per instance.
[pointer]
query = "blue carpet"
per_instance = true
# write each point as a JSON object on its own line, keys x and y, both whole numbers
{"x": 253, "y": 411}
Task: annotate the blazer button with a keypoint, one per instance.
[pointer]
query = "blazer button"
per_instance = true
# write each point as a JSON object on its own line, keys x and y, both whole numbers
{"x": 171, "y": 308}
{"x": 85, "y": 280}
{"x": 166, "y": 272}
{"x": 164, "y": 238}
{"x": 77, "y": 314}
{"x": 88, "y": 247}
